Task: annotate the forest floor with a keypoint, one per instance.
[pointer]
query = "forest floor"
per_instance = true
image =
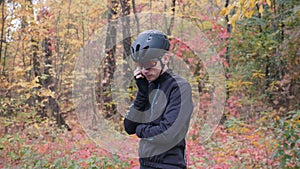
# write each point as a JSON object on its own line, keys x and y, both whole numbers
{"x": 38, "y": 145}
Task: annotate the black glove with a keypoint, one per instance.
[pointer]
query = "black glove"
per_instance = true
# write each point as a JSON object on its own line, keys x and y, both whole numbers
{"x": 142, "y": 84}
{"x": 142, "y": 95}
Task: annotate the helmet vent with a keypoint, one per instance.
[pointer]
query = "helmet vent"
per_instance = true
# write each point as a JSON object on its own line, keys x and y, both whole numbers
{"x": 137, "y": 47}
{"x": 149, "y": 38}
{"x": 132, "y": 50}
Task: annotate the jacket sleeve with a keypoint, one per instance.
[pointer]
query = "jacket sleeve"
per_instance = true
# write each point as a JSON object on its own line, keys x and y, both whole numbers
{"x": 130, "y": 126}
{"x": 135, "y": 114}
{"x": 176, "y": 118}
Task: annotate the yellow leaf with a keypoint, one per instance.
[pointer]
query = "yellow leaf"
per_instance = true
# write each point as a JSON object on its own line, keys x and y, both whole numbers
{"x": 248, "y": 14}
{"x": 258, "y": 75}
{"x": 261, "y": 10}
{"x": 247, "y": 83}
{"x": 36, "y": 125}
{"x": 252, "y": 3}
{"x": 223, "y": 11}
{"x": 34, "y": 83}
{"x": 269, "y": 2}
{"x": 256, "y": 144}
{"x": 233, "y": 19}
{"x": 27, "y": 95}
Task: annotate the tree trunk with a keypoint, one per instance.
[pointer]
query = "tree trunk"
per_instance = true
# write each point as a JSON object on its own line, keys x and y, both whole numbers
{"x": 151, "y": 22}
{"x": 280, "y": 41}
{"x": 109, "y": 60}
{"x": 2, "y": 28}
{"x": 51, "y": 108}
{"x": 227, "y": 58}
{"x": 172, "y": 18}
{"x": 65, "y": 50}
{"x": 135, "y": 16}
{"x": 4, "y": 58}
{"x": 48, "y": 103}
{"x": 126, "y": 27}
{"x": 227, "y": 54}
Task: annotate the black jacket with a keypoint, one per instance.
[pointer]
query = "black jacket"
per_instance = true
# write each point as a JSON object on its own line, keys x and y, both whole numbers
{"x": 160, "y": 116}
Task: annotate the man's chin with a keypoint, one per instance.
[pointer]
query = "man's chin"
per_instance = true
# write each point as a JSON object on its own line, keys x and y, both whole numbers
{"x": 150, "y": 78}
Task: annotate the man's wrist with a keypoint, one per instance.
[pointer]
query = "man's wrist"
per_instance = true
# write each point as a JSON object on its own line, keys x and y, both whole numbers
{"x": 139, "y": 129}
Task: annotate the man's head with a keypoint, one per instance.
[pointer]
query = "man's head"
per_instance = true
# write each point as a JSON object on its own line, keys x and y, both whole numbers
{"x": 148, "y": 51}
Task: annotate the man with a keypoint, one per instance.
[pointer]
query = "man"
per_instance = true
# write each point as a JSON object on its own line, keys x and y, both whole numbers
{"x": 161, "y": 112}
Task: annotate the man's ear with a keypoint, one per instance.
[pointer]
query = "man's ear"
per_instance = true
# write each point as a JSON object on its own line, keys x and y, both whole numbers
{"x": 165, "y": 58}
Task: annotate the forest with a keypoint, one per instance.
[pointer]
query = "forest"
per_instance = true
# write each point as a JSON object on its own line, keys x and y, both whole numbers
{"x": 66, "y": 80}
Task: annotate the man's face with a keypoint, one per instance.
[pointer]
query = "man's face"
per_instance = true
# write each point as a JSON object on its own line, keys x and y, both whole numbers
{"x": 151, "y": 70}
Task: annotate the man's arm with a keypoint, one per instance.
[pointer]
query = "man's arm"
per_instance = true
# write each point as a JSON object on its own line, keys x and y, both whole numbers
{"x": 135, "y": 115}
{"x": 129, "y": 125}
{"x": 175, "y": 120}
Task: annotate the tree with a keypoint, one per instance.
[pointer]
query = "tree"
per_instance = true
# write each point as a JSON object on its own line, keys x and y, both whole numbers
{"x": 109, "y": 63}
{"x": 125, "y": 5}
{"x": 2, "y": 26}
{"x": 260, "y": 30}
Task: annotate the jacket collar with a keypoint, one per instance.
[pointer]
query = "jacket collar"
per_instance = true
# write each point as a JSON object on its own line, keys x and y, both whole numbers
{"x": 166, "y": 75}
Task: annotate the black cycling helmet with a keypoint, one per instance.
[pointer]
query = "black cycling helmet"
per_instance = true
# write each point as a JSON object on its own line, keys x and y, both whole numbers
{"x": 149, "y": 45}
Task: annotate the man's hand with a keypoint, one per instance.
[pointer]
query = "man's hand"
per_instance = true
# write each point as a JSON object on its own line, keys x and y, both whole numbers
{"x": 141, "y": 81}
{"x": 138, "y": 73}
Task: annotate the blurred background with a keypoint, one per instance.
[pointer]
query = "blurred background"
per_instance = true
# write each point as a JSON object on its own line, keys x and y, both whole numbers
{"x": 256, "y": 42}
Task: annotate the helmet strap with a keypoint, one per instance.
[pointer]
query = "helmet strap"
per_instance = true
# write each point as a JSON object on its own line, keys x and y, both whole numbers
{"x": 162, "y": 66}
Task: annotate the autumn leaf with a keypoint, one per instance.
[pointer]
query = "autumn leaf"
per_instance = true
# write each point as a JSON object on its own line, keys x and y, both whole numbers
{"x": 249, "y": 14}
{"x": 36, "y": 126}
{"x": 252, "y": 4}
{"x": 261, "y": 10}
{"x": 224, "y": 12}
{"x": 28, "y": 95}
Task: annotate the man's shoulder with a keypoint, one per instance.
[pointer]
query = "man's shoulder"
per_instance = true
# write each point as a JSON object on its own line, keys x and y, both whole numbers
{"x": 178, "y": 77}
{"x": 177, "y": 80}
